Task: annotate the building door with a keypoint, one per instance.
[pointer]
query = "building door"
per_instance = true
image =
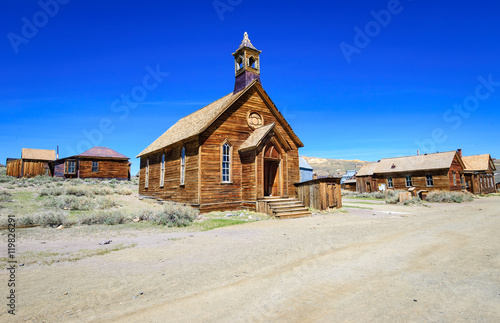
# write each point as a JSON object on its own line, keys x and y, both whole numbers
{"x": 272, "y": 171}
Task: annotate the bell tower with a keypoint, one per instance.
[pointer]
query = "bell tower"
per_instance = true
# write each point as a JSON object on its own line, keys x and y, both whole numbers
{"x": 246, "y": 64}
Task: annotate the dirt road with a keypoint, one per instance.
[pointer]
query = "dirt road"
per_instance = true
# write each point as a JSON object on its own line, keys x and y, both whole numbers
{"x": 384, "y": 264}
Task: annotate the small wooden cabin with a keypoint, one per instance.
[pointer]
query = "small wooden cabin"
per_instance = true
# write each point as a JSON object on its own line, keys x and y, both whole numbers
{"x": 438, "y": 171}
{"x": 364, "y": 179}
{"x": 33, "y": 162}
{"x": 231, "y": 154}
{"x": 350, "y": 184}
{"x": 479, "y": 174}
{"x": 97, "y": 162}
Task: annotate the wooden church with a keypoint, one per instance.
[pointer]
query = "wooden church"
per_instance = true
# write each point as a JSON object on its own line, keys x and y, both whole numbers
{"x": 238, "y": 152}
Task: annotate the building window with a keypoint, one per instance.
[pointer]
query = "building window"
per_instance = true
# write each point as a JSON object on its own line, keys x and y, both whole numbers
{"x": 70, "y": 167}
{"x": 226, "y": 163}
{"x": 430, "y": 180}
{"x": 390, "y": 183}
{"x": 183, "y": 165}
{"x": 408, "y": 181}
{"x": 462, "y": 181}
{"x": 95, "y": 167}
{"x": 162, "y": 171}
{"x": 146, "y": 184}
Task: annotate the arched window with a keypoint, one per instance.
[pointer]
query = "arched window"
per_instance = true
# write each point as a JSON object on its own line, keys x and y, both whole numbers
{"x": 183, "y": 165}
{"x": 226, "y": 152}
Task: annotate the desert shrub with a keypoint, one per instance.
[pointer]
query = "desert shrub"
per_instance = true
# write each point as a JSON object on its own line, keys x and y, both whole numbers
{"x": 51, "y": 191}
{"x": 71, "y": 203}
{"x": 77, "y": 191}
{"x": 7, "y": 179}
{"x": 449, "y": 197}
{"x": 123, "y": 191}
{"x": 174, "y": 215}
{"x": 393, "y": 196}
{"x": 349, "y": 193}
{"x": 45, "y": 219}
{"x": 5, "y": 196}
{"x": 102, "y": 190}
{"x": 76, "y": 181}
{"x": 413, "y": 200}
{"x": 105, "y": 217}
{"x": 104, "y": 203}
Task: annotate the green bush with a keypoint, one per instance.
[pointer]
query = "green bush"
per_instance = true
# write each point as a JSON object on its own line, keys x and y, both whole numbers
{"x": 449, "y": 197}
{"x": 105, "y": 217}
{"x": 71, "y": 203}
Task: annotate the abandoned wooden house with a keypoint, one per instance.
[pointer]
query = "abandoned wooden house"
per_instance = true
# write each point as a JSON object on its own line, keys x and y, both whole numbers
{"x": 439, "y": 171}
{"x": 349, "y": 184}
{"x": 364, "y": 179}
{"x": 238, "y": 152}
{"x": 33, "y": 162}
{"x": 97, "y": 162}
{"x": 479, "y": 174}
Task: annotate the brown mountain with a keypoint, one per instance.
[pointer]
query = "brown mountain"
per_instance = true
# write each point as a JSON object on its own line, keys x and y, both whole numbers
{"x": 334, "y": 167}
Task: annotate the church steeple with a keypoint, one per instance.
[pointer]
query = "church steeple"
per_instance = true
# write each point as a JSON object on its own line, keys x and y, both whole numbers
{"x": 246, "y": 64}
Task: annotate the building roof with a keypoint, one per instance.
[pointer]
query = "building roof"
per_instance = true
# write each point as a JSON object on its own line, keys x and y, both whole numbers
{"x": 304, "y": 164}
{"x": 350, "y": 181}
{"x": 478, "y": 162}
{"x": 103, "y": 152}
{"x": 256, "y": 137}
{"x": 198, "y": 121}
{"x": 367, "y": 169}
{"x": 414, "y": 163}
{"x": 38, "y": 154}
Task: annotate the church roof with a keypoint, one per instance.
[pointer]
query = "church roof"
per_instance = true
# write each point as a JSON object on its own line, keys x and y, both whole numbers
{"x": 198, "y": 121}
{"x": 246, "y": 43}
{"x": 256, "y": 137}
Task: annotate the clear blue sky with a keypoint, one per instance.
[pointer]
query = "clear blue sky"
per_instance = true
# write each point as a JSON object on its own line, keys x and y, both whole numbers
{"x": 353, "y": 82}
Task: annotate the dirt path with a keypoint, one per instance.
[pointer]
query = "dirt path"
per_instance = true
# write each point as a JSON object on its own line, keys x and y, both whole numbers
{"x": 392, "y": 263}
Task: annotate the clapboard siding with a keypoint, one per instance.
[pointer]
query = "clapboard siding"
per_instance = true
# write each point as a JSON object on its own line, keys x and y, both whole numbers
{"x": 117, "y": 169}
{"x": 172, "y": 189}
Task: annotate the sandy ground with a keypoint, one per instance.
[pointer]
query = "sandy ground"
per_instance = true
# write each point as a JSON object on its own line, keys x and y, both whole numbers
{"x": 389, "y": 263}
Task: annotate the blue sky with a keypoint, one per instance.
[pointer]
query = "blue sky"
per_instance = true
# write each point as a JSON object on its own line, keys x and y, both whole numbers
{"x": 355, "y": 79}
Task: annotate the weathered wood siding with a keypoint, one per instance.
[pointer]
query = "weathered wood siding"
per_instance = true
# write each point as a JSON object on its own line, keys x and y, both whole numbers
{"x": 320, "y": 194}
{"x": 108, "y": 168}
{"x": 27, "y": 168}
{"x": 172, "y": 189}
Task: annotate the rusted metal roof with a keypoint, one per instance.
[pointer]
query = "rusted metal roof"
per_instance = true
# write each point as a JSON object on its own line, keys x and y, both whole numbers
{"x": 103, "y": 152}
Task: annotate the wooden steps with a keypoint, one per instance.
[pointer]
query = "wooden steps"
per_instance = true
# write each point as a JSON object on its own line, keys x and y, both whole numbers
{"x": 283, "y": 208}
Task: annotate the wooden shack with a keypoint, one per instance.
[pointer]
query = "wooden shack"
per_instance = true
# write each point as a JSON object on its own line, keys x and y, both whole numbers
{"x": 238, "y": 152}
{"x": 365, "y": 183}
{"x": 479, "y": 174}
{"x": 33, "y": 162}
{"x": 97, "y": 162}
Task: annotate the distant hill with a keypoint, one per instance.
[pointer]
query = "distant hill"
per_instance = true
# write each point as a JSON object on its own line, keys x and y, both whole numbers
{"x": 2, "y": 165}
{"x": 335, "y": 167}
